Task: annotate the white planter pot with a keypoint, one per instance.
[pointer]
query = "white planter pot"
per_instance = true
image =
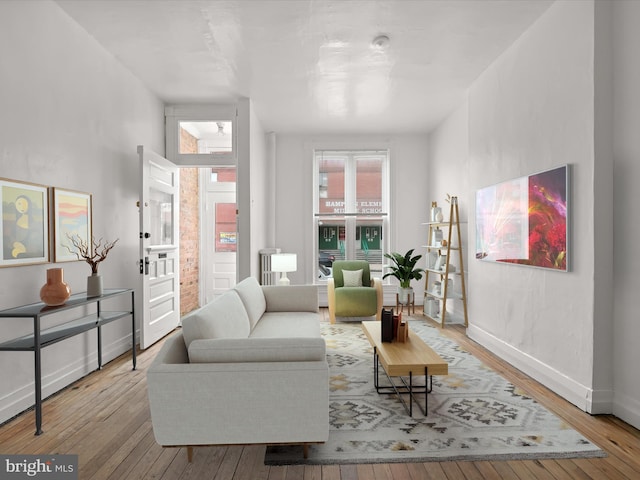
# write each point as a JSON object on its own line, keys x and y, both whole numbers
{"x": 405, "y": 295}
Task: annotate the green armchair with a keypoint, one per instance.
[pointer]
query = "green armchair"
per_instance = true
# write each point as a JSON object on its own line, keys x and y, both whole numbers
{"x": 352, "y": 292}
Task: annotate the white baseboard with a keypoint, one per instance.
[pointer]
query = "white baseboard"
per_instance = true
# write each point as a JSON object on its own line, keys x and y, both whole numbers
{"x": 600, "y": 402}
{"x": 585, "y": 398}
{"x": 23, "y": 398}
{"x": 627, "y": 408}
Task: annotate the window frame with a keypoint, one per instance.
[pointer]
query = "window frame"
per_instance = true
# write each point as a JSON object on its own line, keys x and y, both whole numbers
{"x": 350, "y": 216}
{"x": 176, "y": 114}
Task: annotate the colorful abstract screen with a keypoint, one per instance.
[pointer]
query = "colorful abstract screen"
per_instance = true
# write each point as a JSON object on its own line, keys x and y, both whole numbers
{"x": 524, "y": 220}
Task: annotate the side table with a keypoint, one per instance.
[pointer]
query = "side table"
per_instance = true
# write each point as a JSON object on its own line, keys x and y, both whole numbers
{"x": 40, "y": 338}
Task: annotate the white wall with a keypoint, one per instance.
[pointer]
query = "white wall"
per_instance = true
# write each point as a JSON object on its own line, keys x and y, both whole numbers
{"x": 513, "y": 128}
{"x": 255, "y": 187}
{"x": 449, "y": 144}
{"x": 603, "y": 380}
{"x": 262, "y": 166}
{"x": 626, "y": 231}
{"x": 531, "y": 110}
{"x": 71, "y": 117}
{"x": 410, "y": 201}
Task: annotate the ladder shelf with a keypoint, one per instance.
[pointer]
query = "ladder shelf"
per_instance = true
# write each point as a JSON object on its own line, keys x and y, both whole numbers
{"x": 440, "y": 270}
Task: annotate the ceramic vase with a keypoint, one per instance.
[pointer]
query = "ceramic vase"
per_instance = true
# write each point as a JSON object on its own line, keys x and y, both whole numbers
{"x": 55, "y": 291}
{"x": 94, "y": 285}
{"x": 436, "y": 214}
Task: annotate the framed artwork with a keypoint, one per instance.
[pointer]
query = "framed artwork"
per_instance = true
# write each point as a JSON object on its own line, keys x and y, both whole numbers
{"x": 71, "y": 218}
{"x": 525, "y": 220}
{"x": 25, "y": 223}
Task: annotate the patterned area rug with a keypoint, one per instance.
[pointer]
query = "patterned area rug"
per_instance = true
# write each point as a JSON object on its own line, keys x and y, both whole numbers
{"x": 473, "y": 413}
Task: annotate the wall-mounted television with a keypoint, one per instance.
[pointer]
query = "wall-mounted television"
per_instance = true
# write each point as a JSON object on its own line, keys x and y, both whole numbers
{"x": 525, "y": 220}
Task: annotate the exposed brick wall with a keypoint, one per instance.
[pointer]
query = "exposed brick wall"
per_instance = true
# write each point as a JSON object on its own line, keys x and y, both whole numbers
{"x": 188, "y": 143}
{"x": 189, "y": 229}
{"x": 189, "y": 234}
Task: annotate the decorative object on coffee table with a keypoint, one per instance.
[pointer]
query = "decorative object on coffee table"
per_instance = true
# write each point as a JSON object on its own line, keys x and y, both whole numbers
{"x": 386, "y": 325}
{"x": 403, "y": 330}
{"x": 92, "y": 254}
{"x": 55, "y": 292}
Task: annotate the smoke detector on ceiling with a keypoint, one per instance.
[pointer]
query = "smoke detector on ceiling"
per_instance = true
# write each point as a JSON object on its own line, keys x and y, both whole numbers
{"x": 380, "y": 42}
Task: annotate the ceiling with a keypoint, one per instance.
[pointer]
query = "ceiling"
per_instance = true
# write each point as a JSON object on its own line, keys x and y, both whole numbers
{"x": 309, "y": 66}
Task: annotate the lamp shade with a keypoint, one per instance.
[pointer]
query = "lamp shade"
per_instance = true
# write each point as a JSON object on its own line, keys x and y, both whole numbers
{"x": 284, "y": 262}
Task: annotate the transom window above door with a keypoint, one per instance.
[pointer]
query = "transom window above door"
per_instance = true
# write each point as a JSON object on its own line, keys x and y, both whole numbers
{"x": 205, "y": 137}
{"x": 201, "y": 135}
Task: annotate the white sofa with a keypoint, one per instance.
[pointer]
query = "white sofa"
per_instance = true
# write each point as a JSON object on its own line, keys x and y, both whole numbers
{"x": 248, "y": 368}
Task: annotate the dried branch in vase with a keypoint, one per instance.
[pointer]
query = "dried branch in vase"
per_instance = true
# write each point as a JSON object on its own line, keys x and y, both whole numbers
{"x": 92, "y": 254}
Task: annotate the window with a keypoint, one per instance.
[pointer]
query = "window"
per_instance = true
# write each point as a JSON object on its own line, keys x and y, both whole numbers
{"x": 222, "y": 181}
{"x": 204, "y": 137}
{"x": 201, "y": 135}
{"x": 351, "y": 205}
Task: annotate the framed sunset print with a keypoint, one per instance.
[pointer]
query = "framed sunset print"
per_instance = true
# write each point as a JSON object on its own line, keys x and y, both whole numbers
{"x": 525, "y": 221}
{"x": 71, "y": 218}
{"x": 25, "y": 223}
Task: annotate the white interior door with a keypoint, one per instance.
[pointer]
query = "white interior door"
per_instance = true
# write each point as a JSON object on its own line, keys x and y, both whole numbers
{"x": 159, "y": 247}
{"x": 219, "y": 243}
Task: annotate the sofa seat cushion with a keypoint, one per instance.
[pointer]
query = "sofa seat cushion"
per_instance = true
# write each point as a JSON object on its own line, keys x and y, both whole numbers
{"x": 253, "y": 299}
{"x": 356, "y": 301}
{"x": 287, "y": 324}
{"x": 232, "y": 350}
{"x": 225, "y": 317}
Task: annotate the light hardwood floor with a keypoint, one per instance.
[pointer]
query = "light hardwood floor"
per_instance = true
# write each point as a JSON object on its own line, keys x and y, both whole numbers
{"x": 104, "y": 418}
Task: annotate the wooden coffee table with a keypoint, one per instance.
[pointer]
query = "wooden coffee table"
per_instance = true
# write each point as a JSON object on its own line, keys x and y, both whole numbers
{"x": 408, "y": 359}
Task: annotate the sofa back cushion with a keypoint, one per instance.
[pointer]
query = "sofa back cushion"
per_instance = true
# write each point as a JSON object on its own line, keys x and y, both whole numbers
{"x": 253, "y": 299}
{"x": 292, "y": 298}
{"x": 294, "y": 349}
{"x": 225, "y": 317}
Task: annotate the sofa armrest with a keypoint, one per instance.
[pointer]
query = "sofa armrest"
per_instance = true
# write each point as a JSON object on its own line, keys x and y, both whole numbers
{"x": 231, "y": 350}
{"x": 173, "y": 351}
{"x": 292, "y": 298}
{"x": 223, "y": 403}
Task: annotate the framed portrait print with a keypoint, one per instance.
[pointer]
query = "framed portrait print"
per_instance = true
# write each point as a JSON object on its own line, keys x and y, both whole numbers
{"x": 71, "y": 218}
{"x": 25, "y": 223}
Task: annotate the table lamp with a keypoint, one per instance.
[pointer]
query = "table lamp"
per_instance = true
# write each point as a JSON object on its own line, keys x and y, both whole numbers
{"x": 283, "y": 262}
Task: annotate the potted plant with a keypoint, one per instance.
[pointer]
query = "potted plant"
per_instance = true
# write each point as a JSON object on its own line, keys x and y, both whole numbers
{"x": 404, "y": 269}
{"x": 93, "y": 253}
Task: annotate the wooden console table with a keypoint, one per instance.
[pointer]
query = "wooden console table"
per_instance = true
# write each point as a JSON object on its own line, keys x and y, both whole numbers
{"x": 40, "y": 338}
